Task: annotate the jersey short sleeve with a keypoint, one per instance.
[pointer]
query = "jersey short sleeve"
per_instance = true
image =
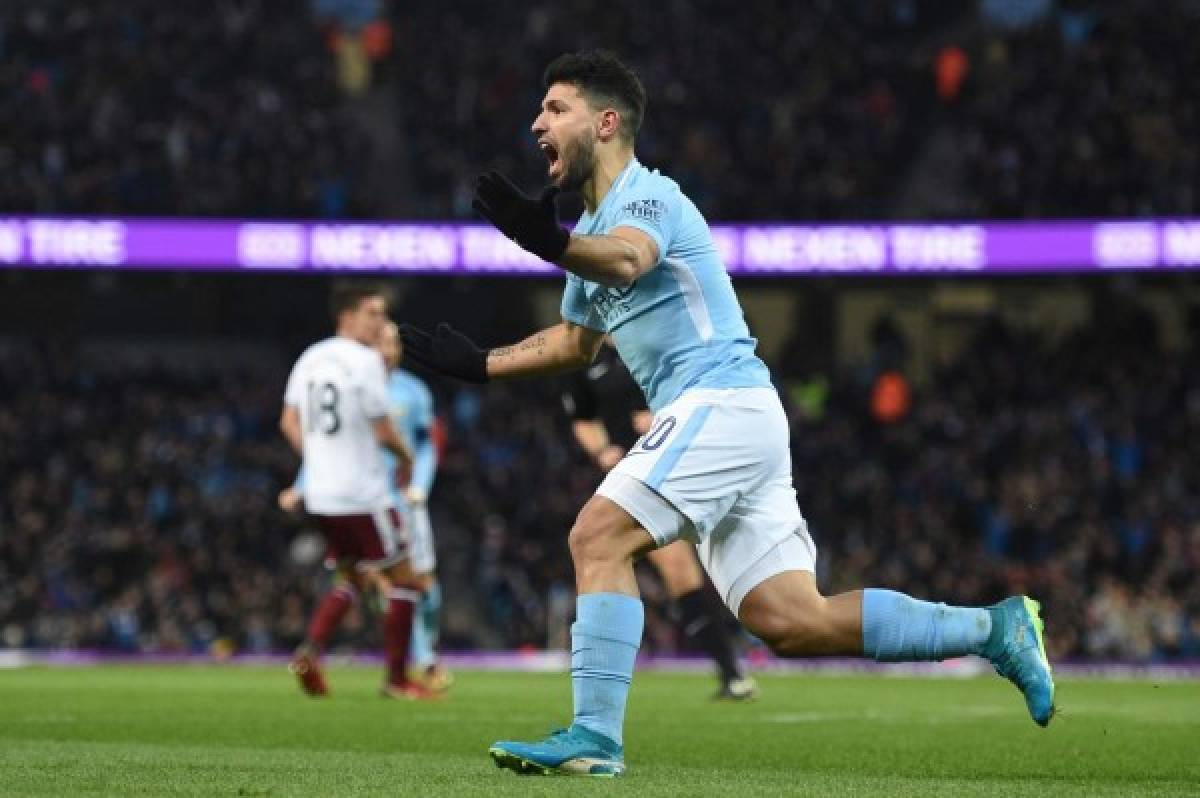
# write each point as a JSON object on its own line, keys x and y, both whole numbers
{"x": 423, "y": 412}
{"x": 374, "y": 387}
{"x": 652, "y": 206}
{"x": 576, "y": 308}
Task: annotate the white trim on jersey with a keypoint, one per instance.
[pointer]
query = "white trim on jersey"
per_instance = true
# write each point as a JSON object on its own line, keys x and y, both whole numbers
{"x": 630, "y": 168}
{"x": 693, "y": 297}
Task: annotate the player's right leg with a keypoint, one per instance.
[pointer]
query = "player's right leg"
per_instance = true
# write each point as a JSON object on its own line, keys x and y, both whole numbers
{"x": 604, "y": 642}
{"x": 684, "y": 580}
{"x": 653, "y": 497}
{"x": 402, "y": 594}
{"x": 388, "y": 545}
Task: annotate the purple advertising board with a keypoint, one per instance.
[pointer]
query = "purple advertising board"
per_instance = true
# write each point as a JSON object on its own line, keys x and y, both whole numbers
{"x": 750, "y": 250}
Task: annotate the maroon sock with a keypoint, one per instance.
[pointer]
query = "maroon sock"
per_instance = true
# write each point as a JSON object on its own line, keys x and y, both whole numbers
{"x": 397, "y": 633}
{"x": 329, "y": 614}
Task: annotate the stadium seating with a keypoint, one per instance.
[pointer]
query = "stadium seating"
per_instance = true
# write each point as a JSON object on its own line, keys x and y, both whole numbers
{"x": 151, "y": 523}
{"x": 785, "y": 110}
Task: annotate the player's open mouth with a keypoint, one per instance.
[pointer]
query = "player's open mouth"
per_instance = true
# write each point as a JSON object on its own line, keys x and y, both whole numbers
{"x": 551, "y": 154}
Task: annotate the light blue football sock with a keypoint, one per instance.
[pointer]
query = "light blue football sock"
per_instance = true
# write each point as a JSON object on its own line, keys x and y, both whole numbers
{"x": 899, "y": 628}
{"x": 604, "y": 644}
{"x": 431, "y": 613}
{"x": 420, "y": 651}
{"x": 423, "y": 650}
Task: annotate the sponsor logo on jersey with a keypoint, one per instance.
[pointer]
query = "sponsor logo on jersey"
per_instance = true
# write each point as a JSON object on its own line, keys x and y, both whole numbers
{"x": 647, "y": 210}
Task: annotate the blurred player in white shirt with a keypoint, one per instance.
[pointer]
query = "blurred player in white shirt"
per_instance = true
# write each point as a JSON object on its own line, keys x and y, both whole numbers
{"x": 336, "y": 417}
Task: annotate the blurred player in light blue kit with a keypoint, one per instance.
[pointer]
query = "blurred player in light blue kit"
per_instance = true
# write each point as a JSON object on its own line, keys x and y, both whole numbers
{"x": 410, "y": 409}
{"x": 715, "y": 467}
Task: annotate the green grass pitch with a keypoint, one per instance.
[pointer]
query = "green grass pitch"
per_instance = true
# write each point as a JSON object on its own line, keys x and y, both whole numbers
{"x": 217, "y": 731}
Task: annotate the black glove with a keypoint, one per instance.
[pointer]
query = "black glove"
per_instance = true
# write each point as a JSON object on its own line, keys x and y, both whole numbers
{"x": 531, "y": 222}
{"x": 447, "y": 351}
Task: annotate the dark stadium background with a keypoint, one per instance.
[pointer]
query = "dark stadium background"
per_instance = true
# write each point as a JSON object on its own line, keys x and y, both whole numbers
{"x": 1049, "y": 444}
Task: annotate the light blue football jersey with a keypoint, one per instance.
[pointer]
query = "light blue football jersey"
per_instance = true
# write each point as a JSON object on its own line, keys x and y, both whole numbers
{"x": 679, "y": 326}
{"x": 410, "y": 407}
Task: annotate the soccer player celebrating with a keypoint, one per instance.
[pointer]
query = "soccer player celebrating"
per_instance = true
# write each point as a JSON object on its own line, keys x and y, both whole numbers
{"x": 608, "y": 413}
{"x": 715, "y": 467}
{"x": 335, "y": 416}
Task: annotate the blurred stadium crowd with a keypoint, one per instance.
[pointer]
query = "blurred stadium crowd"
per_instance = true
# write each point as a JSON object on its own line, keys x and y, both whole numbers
{"x": 137, "y": 501}
{"x": 818, "y": 110}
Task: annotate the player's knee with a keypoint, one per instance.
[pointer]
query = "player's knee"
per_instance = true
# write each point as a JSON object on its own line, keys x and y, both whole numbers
{"x": 590, "y": 541}
{"x": 604, "y": 533}
{"x": 594, "y": 538}
{"x": 790, "y": 631}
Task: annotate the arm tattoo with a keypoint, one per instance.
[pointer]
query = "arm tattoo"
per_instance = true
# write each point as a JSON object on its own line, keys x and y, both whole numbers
{"x": 537, "y": 342}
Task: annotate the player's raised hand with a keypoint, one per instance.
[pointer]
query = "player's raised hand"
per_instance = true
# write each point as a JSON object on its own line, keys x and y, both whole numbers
{"x": 530, "y": 221}
{"x": 446, "y": 351}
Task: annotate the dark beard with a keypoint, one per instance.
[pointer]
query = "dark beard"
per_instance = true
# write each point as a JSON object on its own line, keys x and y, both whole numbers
{"x": 581, "y": 161}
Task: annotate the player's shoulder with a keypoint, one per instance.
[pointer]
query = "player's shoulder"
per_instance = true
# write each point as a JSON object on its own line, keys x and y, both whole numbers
{"x": 353, "y": 352}
{"x": 314, "y": 350}
{"x": 410, "y": 388}
{"x": 649, "y": 195}
{"x": 643, "y": 178}
{"x": 406, "y": 380}
{"x": 338, "y": 343}
{"x": 358, "y": 358}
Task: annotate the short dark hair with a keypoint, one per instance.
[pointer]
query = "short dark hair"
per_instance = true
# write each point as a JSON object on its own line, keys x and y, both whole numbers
{"x": 604, "y": 80}
{"x": 348, "y": 295}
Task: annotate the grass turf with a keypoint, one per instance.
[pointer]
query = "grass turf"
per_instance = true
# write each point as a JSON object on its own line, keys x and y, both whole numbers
{"x": 248, "y": 732}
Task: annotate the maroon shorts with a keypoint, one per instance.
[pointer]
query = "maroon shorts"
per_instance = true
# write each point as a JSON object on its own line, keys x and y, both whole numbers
{"x": 370, "y": 540}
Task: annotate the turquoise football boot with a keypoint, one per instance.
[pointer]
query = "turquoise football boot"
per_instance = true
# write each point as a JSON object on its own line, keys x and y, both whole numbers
{"x": 572, "y": 752}
{"x": 1018, "y": 652}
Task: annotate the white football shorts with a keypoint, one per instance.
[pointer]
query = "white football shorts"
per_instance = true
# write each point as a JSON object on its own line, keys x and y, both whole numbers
{"x": 422, "y": 554}
{"x": 715, "y": 469}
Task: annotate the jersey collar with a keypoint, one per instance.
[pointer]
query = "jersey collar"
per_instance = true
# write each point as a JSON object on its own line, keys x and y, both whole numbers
{"x": 618, "y": 185}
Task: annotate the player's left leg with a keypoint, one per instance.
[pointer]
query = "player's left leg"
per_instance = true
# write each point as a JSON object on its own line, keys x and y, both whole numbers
{"x": 342, "y": 548}
{"x": 788, "y": 613}
{"x": 761, "y": 559}
{"x": 684, "y": 580}
{"x": 426, "y": 665}
{"x": 604, "y": 643}
{"x": 334, "y": 605}
{"x": 423, "y": 560}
